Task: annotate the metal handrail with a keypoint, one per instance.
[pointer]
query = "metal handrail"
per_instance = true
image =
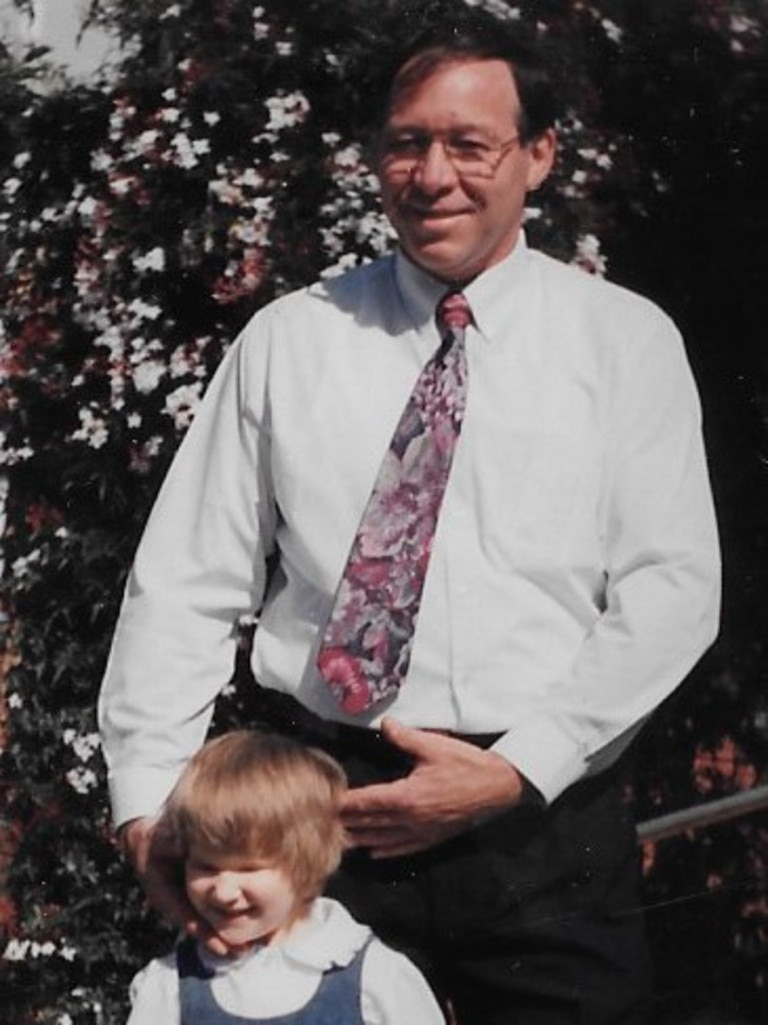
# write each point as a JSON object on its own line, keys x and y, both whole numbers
{"x": 700, "y": 816}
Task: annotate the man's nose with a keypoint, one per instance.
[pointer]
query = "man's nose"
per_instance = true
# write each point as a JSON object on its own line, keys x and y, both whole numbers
{"x": 435, "y": 170}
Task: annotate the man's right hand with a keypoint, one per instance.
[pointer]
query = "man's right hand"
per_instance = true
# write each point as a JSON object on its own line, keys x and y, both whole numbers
{"x": 159, "y": 868}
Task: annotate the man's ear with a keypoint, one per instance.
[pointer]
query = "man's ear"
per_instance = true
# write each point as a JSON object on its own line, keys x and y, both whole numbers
{"x": 541, "y": 151}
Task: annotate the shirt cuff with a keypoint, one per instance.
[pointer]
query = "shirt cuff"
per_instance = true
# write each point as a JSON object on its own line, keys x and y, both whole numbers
{"x": 547, "y": 757}
{"x": 138, "y": 794}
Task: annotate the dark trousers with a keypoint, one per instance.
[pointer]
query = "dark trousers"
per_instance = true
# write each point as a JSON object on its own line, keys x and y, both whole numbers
{"x": 532, "y": 918}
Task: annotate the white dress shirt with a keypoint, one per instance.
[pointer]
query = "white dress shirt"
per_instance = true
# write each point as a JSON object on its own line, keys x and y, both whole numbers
{"x": 281, "y": 978}
{"x": 574, "y": 578}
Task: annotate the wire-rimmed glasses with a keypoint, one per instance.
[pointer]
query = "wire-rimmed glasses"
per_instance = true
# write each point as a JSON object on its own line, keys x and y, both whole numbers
{"x": 400, "y": 153}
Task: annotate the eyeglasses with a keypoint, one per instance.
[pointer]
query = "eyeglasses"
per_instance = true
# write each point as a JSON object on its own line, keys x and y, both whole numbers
{"x": 400, "y": 155}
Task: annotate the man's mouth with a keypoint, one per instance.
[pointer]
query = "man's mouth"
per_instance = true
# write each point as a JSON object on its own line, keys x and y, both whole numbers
{"x": 433, "y": 215}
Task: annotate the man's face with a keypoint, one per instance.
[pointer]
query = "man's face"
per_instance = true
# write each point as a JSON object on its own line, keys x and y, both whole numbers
{"x": 452, "y": 224}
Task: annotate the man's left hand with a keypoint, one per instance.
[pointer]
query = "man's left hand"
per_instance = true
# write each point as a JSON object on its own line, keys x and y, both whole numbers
{"x": 451, "y": 785}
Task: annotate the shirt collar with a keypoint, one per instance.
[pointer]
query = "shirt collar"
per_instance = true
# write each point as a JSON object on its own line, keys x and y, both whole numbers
{"x": 490, "y": 295}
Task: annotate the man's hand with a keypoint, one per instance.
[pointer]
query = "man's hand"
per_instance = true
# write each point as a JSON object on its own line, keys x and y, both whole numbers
{"x": 452, "y": 784}
{"x": 160, "y": 870}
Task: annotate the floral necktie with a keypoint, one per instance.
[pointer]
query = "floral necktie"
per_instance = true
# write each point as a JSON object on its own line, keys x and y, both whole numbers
{"x": 366, "y": 647}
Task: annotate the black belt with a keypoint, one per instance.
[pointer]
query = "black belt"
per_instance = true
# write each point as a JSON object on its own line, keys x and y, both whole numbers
{"x": 287, "y": 715}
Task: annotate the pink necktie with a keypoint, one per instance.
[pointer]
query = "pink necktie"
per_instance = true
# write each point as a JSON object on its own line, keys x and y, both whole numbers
{"x": 366, "y": 647}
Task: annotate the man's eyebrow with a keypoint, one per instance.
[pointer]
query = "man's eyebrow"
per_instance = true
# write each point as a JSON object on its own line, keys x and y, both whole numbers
{"x": 467, "y": 128}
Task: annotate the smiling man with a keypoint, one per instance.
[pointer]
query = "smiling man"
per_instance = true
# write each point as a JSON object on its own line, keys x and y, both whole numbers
{"x": 456, "y": 164}
{"x": 481, "y": 476}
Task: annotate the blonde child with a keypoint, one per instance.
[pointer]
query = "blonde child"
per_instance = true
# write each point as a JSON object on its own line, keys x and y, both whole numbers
{"x": 256, "y": 820}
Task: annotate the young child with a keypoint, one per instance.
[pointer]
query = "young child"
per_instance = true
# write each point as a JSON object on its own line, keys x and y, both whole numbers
{"x": 256, "y": 820}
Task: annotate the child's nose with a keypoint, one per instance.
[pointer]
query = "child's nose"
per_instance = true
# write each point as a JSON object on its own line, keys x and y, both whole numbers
{"x": 226, "y": 888}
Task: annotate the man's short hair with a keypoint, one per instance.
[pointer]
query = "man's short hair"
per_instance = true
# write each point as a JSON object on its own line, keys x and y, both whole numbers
{"x": 436, "y": 33}
{"x": 266, "y": 796}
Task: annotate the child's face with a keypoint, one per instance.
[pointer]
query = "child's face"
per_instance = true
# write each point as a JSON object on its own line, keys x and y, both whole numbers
{"x": 243, "y": 899}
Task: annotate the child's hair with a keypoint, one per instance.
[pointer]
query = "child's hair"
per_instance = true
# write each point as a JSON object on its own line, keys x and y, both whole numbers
{"x": 266, "y": 795}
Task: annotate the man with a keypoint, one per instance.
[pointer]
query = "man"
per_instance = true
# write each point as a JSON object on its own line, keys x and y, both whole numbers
{"x": 572, "y": 578}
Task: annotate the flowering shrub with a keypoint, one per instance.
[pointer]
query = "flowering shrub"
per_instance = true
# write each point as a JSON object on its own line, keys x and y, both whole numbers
{"x": 142, "y": 221}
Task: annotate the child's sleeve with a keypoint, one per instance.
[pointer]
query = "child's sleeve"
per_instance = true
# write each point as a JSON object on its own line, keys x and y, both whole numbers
{"x": 394, "y": 990}
{"x": 154, "y": 994}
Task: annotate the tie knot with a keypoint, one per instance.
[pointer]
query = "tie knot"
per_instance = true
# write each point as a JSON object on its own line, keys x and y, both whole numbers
{"x": 453, "y": 312}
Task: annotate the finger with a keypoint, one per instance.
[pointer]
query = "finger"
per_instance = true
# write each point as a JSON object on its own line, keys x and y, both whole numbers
{"x": 397, "y": 851}
{"x": 421, "y": 745}
{"x": 402, "y": 847}
{"x": 375, "y": 818}
{"x": 412, "y": 741}
{"x": 210, "y": 939}
{"x": 378, "y": 837}
{"x": 169, "y": 900}
{"x": 380, "y": 798}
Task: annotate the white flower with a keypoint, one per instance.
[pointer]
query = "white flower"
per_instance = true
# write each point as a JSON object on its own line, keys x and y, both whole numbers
{"x": 496, "y": 7}
{"x": 180, "y": 363}
{"x": 11, "y": 186}
{"x": 184, "y": 151}
{"x": 612, "y": 30}
{"x": 174, "y": 11}
{"x": 82, "y": 780}
{"x": 21, "y": 160}
{"x": 147, "y": 376}
{"x": 11, "y": 456}
{"x": 260, "y": 27}
{"x": 376, "y": 229}
{"x": 144, "y": 311}
{"x": 101, "y": 161}
{"x": 93, "y": 429}
{"x": 112, "y": 340}
{"x": 588, "y": 255}
{"x": 251, "y": 178}
{"x": 226, "y": 192}
{"x": 46, "y": 949}
{"x": 16, "y": 950}
{"x": 20, "y": 567}
{"x": 87, "y": 207}
{"x": 351, "y": 156}
{"x": 83, "y": 744}
{"x": 742, "y": 25}
{"x": 121, "y": 184}
{"x": 153, "y": 260}
{"x": 286, "y": 110}
{"x": 211, "y": 118}
{"x": 148, "y": 140}
{"x": 182, "y": 404}
{"x": 153, "y": 446}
